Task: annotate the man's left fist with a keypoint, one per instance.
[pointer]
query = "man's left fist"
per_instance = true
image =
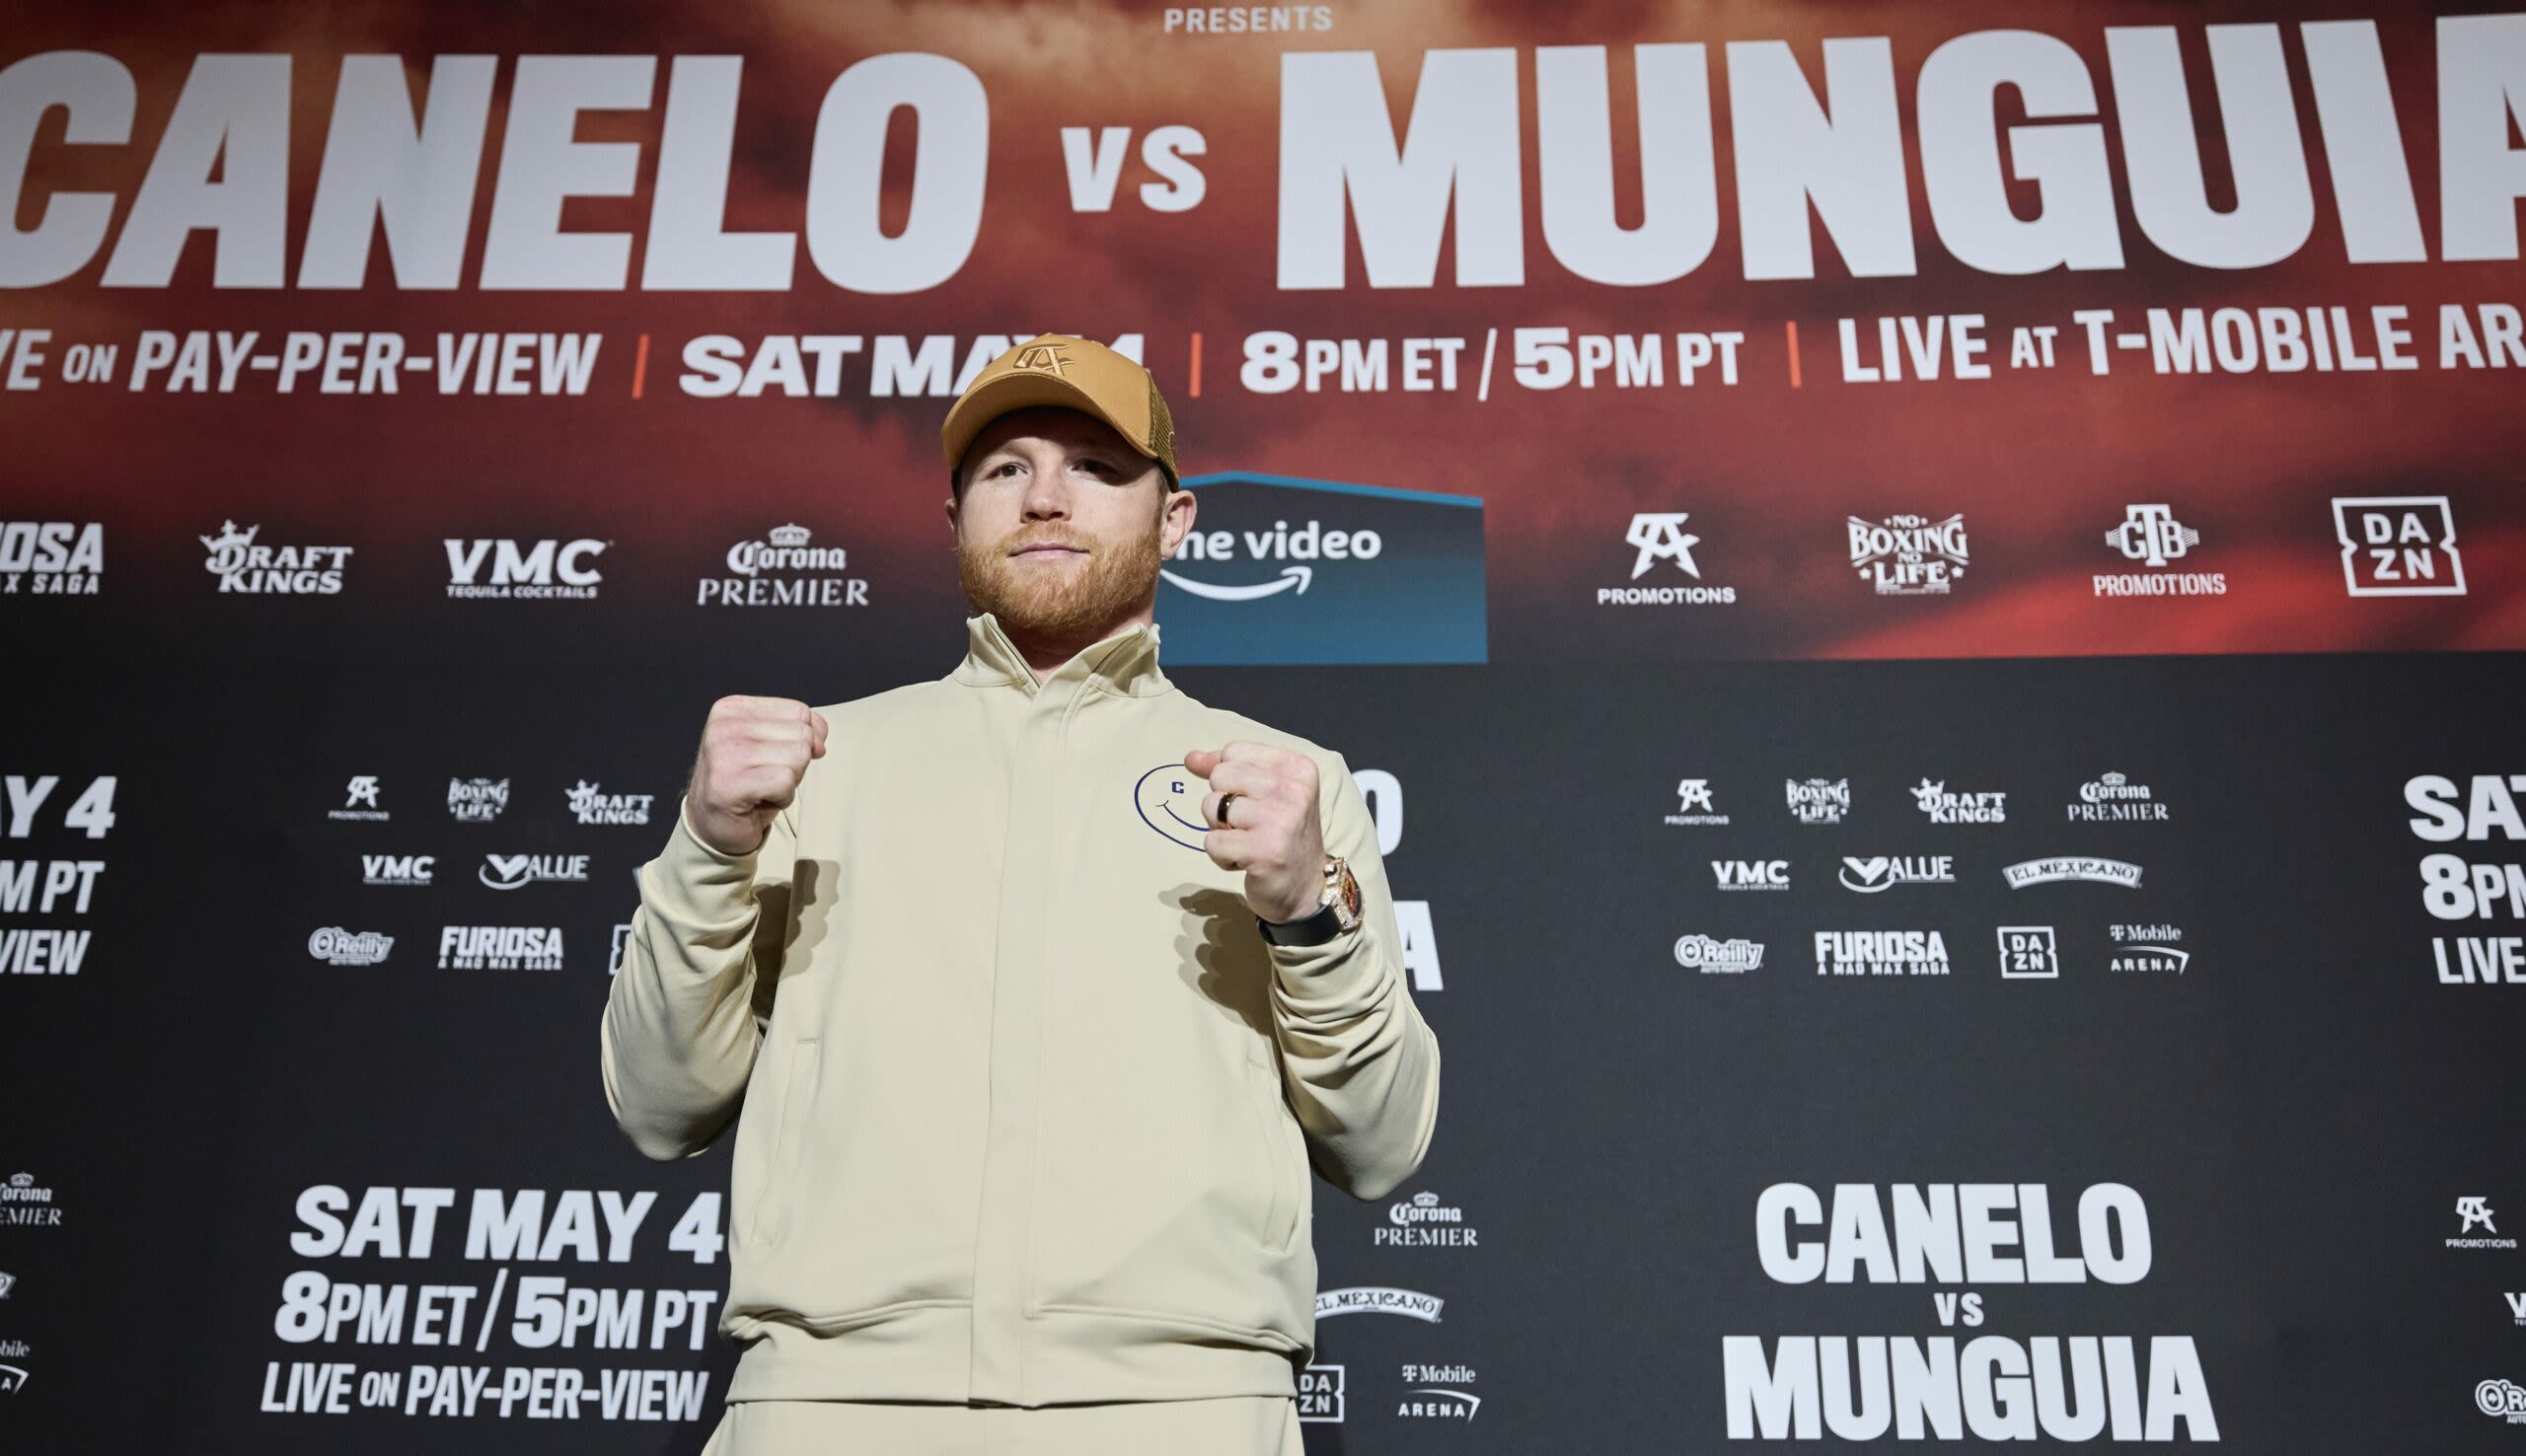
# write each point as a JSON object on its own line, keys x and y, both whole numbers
{"x": 1272, "y": 831}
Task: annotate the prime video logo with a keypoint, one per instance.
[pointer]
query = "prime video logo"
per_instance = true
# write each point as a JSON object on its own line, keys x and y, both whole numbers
{"x": 1282, "y": 571}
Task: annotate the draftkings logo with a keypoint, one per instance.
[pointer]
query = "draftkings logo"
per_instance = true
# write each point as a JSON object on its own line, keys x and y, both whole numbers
{"x": 1941, "y": 806}
{"x": 1909, "y": 555}
{"x": 1693, "y": 805}
{"x": 477, "y": 800}
{"x": 1819, "y": 801}
{"x": 2398, "y": 546}
{"x": 359, "y": 801}
{"x": 248, "y": 568}
{"x": 51, "y": 558}
{"x": 593, "y": 805}
{"x": 1714, "y": 957}
{"x": 2151, "y": 535}
{"x": 2474, "y": 1211}
{"x": 1660, "y": 536}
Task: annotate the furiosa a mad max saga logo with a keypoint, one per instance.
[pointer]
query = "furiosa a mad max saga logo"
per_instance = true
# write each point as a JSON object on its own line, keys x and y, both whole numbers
{"x": 1278, "y": 569}
{"x": 1909, "y": 555}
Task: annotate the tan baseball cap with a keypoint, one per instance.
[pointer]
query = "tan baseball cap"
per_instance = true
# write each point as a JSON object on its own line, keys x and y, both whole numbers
{"x": 1067, "y": 373}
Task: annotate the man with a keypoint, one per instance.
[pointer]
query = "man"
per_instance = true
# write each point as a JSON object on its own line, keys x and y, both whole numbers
{"x": 1042, "y": 985}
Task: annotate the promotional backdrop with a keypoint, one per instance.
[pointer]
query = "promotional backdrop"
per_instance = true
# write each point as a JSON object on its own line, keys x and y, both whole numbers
{"x": 1926, "y": 597}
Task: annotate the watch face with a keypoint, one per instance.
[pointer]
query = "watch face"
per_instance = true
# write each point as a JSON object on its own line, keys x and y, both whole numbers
{"x": 1348, "y": 894}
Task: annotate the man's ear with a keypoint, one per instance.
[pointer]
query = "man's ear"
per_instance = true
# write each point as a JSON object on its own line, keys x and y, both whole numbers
{"x": 1178, "y": 514}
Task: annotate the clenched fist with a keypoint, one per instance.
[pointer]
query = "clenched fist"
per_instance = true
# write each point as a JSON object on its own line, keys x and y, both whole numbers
{"x": 754, "y": 751}
{"x": 1272, "y": 831}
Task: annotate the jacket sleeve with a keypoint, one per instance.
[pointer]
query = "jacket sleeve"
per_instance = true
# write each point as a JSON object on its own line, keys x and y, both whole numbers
{"x": 688, "y": 1006}
{"x": 1362, "y": 1065}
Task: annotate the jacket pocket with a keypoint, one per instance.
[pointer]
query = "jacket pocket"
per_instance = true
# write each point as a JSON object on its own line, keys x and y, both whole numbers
{"x": 779, "y": 1184}
{"x": 1285, "y": 1165}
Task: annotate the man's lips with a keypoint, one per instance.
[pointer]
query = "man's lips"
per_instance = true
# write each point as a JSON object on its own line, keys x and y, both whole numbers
{"x": 1049, "y": 548}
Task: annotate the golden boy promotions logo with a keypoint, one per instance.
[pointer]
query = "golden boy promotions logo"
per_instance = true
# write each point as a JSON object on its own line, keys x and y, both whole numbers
{"x": 1048, "y": 358}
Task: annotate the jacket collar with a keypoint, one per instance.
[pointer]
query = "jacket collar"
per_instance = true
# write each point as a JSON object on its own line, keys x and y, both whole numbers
{"x": 1124, "y": 664}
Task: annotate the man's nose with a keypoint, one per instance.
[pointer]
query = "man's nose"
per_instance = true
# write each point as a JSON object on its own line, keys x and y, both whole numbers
{"x": 1046, "y": 498}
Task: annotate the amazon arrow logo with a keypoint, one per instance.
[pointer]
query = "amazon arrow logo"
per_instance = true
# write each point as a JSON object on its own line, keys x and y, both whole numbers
{"x": 1297, "y": 576}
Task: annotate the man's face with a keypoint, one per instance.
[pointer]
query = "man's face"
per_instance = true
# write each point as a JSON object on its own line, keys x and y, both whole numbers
{"x": 1062, "y": 524}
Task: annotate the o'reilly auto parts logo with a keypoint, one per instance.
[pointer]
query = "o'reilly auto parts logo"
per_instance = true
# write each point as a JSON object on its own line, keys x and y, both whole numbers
{"x": 1278, "y": 569}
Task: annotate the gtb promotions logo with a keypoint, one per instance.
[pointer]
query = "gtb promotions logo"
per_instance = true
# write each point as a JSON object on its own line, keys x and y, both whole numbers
{"x": 1751, "y": 874}
{"x": 397, "y": 869}
{"x": 51, "y": 558}
{"x": 517, "y": 871}
{"x": 1877, "y": 874}
{"x": 335, "y": 946}
{"x": 2064, "y": 868}
{"x": 2151, "y": 535}
{"x": 1909, "y": 555}
{"x": 2475, "y": 1212}
{"x": 1714, "y": 957}
{"x": 1657, "y": 537}
{"x": 2398, "y": 546}
{"x": 1423, "y": 1223}
{"x": 1881, "y": 953}
{"x": 1819, "y": 801}
{"x": 2143, "y": 949}
{"x": 1438, "y": 1402}
{"x": 1693, "y": 806}
{"x": 476, "y": 800}
{"x": 780, "y": 570}
{"x": 359, "y": 801}
{"x": 1369, "y": 1299}
{"x": 27, "y": 1204}
{"x": 594, "y": 806}
{"x": 547, "y": 570}
{"x": 2030, "y": 953}
{"x": 2112, "y": 798}
{"x": 249, "y": 569}
{"x": 1944, "y": 807}
{"x": 499, "y": 948}
{"x": 1320, "y": 1393}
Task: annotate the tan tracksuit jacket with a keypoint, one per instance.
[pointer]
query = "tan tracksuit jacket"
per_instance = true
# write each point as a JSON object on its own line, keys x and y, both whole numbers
{"x": 1029, "y": 1103}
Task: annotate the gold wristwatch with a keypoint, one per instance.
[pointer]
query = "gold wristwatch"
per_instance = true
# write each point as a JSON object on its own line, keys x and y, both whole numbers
{"x": 1337, "y": 911}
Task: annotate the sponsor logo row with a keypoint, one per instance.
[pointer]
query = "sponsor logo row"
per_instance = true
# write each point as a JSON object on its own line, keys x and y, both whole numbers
{"x": 2398, "y": 546}
{"x": 2108, "y": 798}
{"x": 484, "y": 800}
{"x": 1875, "y": 874}
{"x": 783, "y": 568}
{"x": 2025, "y": 953}
{"x": 459, "y": 947}
{"x": 2392, "y": 545}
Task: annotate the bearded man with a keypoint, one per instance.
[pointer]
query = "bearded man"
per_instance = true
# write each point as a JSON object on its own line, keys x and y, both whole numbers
{"x": 1041, "y": 985}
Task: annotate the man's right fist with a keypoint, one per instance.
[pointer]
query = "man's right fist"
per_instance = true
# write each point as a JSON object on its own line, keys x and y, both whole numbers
{"x": 754, "y": 751}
